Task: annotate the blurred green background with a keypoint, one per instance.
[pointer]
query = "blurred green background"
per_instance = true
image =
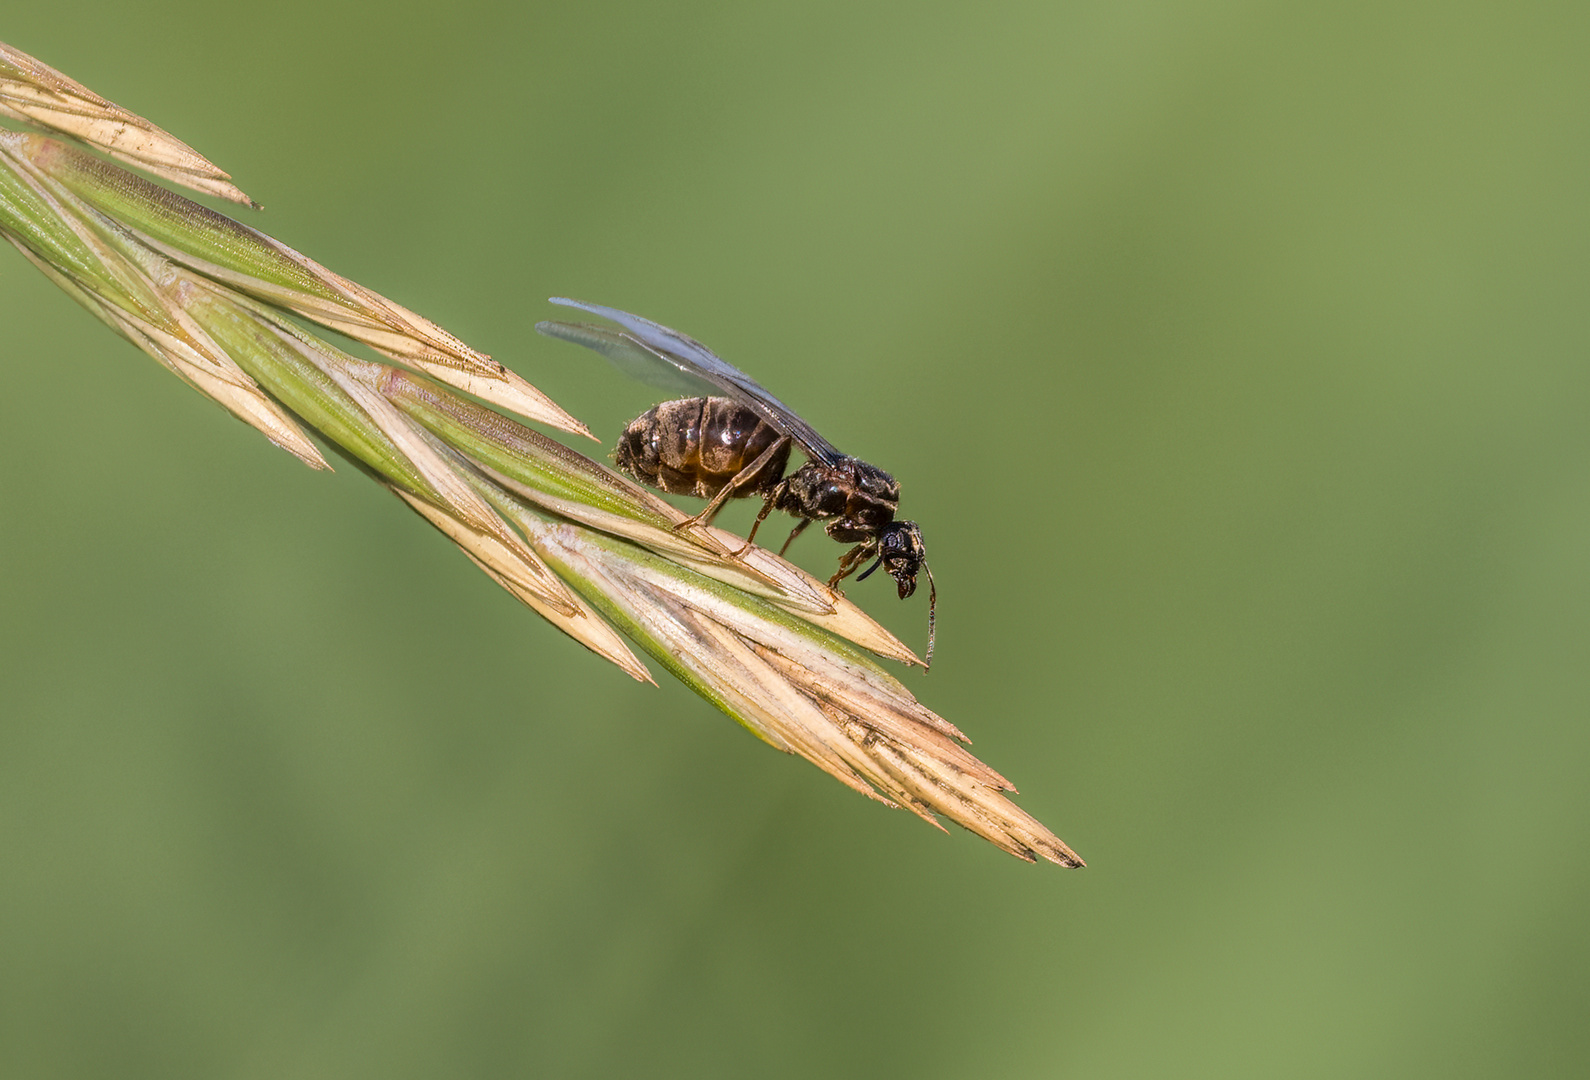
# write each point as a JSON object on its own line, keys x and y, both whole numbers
{"x": 1233, "y": 357}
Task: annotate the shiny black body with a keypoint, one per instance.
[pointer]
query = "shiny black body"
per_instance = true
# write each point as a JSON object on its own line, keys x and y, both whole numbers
{"x": 719, "y": 448}
{"x": 701, "y": 446}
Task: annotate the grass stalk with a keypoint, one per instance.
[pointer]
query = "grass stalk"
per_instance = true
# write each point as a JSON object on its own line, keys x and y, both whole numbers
{"x": 223, "y": 306}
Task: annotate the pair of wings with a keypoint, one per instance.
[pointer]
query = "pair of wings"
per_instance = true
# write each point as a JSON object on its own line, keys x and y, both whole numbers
{"x": 646, "y": 349}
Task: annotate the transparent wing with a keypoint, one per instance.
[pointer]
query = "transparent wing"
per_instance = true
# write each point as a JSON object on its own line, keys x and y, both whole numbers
{"x": 644, "y": 346}
{"x": 630, "y": 357}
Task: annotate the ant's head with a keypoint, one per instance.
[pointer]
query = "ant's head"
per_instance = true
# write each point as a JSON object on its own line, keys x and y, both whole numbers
{"x": 901, "y": 553}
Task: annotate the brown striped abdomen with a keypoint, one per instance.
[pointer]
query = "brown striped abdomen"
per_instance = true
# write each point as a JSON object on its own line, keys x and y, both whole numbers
{"x": 695, "y": 446}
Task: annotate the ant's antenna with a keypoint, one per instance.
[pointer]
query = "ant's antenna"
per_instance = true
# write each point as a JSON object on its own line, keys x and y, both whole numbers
{"x": 933, "y": 599}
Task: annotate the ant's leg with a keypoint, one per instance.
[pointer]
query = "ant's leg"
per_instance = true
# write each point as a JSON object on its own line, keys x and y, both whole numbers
{"x": 850, "y": 561}
{"x": 744, "y": 476}
{"x": 761, "y": 516}
{"x": 796, "y": 531}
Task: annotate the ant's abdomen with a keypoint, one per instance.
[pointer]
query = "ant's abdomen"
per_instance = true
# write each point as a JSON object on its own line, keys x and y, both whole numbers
{"x": 695, "y": 446}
